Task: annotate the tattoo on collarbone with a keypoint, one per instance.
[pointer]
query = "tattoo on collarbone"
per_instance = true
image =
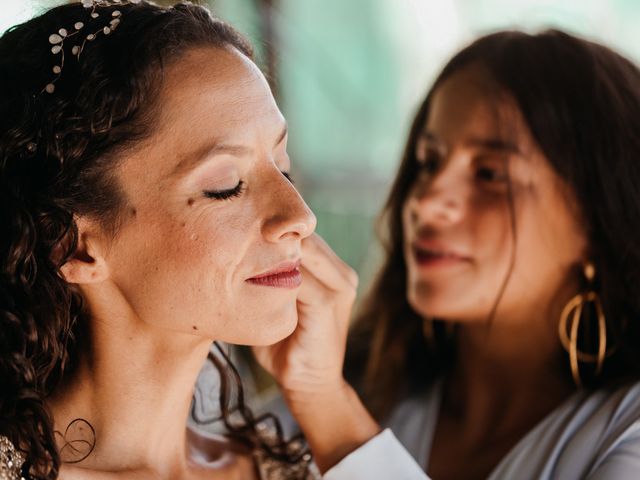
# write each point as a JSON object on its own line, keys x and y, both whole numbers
{"x": 77, "y": 442}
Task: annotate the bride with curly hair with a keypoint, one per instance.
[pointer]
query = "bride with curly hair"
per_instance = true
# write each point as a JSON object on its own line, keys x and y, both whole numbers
{"x": 147, "y": 210}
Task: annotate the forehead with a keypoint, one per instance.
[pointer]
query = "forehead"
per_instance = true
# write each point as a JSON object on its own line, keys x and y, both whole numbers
{"x": 214, "y": 89}
{"x": 469, "y": 105}
{"x": 208, "y": 96}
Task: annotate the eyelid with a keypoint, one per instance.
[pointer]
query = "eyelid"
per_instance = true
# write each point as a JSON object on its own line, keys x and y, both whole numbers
{"x": 287, "y": 175}
{"x": 235, "y": 191}
{"x": 425, "y": 144}
{"x": 225, "y": 194}
{"x": 492, "y": 161}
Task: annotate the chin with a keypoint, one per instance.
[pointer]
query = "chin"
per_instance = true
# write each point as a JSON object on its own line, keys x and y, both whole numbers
{"x": 424, "y": 299}
{"x": 271, "y": 337}
{"x": 270, "y": 329}
{"x": 448, "y": 310}
{"x": 434, "y": 305}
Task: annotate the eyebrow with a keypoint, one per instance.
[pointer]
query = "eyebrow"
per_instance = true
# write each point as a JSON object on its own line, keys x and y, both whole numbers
{"x": 216, "y": 147}
{"x": 494, "y": 144}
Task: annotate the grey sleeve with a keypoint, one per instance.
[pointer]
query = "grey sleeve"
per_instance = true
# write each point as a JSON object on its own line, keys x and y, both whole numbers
{"x": 623, "y": 460}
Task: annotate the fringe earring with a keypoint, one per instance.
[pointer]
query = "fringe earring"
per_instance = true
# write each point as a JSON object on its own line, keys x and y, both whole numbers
{"x": 570, "y": 319}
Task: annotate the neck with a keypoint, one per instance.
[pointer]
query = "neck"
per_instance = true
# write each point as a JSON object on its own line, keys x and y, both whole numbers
{"x": 501, "y": 371}
{"x": 134, "y": 386}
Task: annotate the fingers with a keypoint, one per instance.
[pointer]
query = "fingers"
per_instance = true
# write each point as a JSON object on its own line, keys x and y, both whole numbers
{"x": 313, "y": 294}
{"x": 316, "y": 291}
{"x": 325, "y": 265}
{"x": 313, "y": 291}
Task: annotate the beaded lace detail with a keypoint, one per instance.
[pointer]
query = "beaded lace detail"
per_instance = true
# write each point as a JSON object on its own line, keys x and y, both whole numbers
{"x": 11, "y": 460}
{"x": 273, "y": 469}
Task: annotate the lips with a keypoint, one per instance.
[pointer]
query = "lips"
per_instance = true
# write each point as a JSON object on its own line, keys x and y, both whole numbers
{"x": 432, "y": 255}
{"x": 283, "y": 275}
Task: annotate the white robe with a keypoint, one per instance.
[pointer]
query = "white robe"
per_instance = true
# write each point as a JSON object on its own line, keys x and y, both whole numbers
{"x": 591, "y": 435}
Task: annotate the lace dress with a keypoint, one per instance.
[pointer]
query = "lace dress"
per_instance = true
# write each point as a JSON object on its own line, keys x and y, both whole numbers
{"x": 272, "y": 469}
{"x": 11, "y": 461}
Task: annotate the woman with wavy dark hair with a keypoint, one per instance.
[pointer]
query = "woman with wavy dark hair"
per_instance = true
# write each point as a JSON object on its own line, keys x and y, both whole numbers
{"x": 146, "y": 210}
{"x": 501, "y": 338}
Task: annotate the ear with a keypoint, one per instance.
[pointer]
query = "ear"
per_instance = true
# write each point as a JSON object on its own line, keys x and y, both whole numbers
{"x": 87, "y": 264}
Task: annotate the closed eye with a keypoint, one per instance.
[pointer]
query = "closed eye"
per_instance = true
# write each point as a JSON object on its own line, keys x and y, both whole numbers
{"x": 235, "y": 191}
{"x": 287, "y": 175}
{"x": 225, "y": 194}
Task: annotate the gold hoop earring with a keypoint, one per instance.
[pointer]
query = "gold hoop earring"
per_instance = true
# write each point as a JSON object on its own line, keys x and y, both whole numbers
{"x": 570, "y": 319}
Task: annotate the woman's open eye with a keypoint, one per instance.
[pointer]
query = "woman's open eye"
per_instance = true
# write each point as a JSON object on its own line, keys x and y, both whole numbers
{"x": 430, "y": 162}
{"x": 225, "y": 194}
{"x": 490, "y": 175}
{"x": 492, "y": 170}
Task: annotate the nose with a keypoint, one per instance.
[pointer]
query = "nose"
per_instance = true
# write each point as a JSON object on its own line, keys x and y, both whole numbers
{"x": 288, "y": 216}
{"x": 438, "y": 199}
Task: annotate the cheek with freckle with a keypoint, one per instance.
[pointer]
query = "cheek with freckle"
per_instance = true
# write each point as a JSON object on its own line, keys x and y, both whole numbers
{"x": 195, "y": 261}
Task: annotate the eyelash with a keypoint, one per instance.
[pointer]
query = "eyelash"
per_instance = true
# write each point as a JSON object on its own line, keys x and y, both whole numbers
{"x": 225, "y": 194}
{"x": 235, "y": 191}
{"x": 287, "y": 175}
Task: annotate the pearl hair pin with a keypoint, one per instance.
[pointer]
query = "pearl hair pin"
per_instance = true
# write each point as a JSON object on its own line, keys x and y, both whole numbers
{"x": 57, "y": 39}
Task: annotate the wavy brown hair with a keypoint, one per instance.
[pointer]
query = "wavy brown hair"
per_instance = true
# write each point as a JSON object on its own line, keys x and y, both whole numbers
{"x": 58, "y": 153}
{"x": 581, "y": 102}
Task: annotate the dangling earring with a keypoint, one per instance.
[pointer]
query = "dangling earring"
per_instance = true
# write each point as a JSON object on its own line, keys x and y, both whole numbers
{"x": 571, "y": 317}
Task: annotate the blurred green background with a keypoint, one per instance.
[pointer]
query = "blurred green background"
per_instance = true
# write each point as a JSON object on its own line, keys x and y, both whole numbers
{"x": 348, "y": 75}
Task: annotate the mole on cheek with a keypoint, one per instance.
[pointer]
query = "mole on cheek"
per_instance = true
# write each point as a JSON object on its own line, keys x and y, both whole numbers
{"x": 133, "y": 212}
{"x": 190, "y": 201}
{"x": 195, "y": 328}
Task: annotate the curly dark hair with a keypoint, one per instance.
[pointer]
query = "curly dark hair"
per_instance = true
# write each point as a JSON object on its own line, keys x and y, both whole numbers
{"x": 58, "y": 153}
{"x": 581, "y": 102}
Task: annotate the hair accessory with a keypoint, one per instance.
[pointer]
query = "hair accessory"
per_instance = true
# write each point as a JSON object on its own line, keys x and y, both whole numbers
{"x": 57, "y": 39}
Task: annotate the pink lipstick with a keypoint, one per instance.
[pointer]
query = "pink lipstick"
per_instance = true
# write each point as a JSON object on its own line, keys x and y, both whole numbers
{"x": 428, "y": 255}
{"x": 285, "y": 275}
